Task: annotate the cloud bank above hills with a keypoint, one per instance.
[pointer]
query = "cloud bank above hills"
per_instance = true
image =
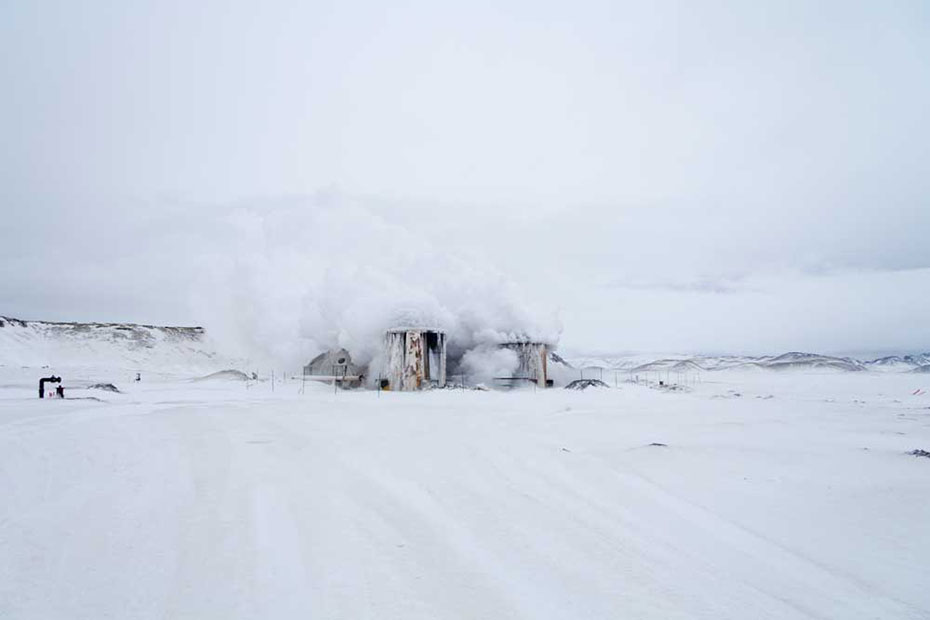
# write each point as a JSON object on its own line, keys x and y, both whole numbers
{"x": 708, "y": 177}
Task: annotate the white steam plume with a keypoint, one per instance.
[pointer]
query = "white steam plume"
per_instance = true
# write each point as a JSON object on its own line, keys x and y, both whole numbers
{"x": 485, "y": 363}
{"x": 290, "y": 282}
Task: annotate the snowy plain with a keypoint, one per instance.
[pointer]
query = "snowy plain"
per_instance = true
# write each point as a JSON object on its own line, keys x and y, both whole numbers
{"x": 776, "y": 495}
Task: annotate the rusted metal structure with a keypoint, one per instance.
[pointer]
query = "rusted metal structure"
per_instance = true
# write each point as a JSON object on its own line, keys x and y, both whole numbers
{"x": 532, "y": 363}
{"x": 415, "y": 358}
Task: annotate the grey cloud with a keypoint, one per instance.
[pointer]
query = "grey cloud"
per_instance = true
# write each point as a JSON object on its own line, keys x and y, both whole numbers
{"x": 609, "y": 158}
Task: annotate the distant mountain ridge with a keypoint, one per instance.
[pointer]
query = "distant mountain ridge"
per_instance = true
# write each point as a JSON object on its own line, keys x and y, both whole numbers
{"x": 6, "y": 320}
{"x": 39, "y": 343}
{"x": 784, "y": 362}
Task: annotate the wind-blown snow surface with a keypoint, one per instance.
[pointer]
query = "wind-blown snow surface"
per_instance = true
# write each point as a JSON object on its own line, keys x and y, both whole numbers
{"x": 775, "y": 496}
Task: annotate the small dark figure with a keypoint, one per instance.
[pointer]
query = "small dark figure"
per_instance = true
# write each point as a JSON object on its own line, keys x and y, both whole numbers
{"x": 60, "y": 391}
{"x": 138, "y": 376}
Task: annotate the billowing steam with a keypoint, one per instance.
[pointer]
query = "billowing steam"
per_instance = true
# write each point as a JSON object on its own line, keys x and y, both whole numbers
{"x": 294, "y": 281}
{"x": 485, "y": 363}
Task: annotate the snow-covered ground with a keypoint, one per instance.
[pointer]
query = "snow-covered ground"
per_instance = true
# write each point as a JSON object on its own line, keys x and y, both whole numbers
{"x": 774, "y": 496}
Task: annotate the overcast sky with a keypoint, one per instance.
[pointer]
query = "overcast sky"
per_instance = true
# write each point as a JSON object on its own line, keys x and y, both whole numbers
{"x": 662, "y": 176}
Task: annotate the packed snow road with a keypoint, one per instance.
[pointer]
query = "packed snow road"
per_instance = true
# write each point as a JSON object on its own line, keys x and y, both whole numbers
{"x": 772, "y": 497}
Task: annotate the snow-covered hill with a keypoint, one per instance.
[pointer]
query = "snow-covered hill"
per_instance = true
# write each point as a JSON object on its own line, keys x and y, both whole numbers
{"x": 901, "y": 363}
{"x": 121, "y": 345}
{"x": 783, "y": 362}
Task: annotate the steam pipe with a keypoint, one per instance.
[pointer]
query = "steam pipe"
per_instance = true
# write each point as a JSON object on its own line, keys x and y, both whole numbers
{"x": 52, "y": 379}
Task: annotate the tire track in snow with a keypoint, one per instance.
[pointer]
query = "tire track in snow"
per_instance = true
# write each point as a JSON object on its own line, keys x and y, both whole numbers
{"x": 806, "y": 580}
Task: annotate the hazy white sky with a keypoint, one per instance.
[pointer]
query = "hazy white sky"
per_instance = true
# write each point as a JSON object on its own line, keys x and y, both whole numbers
{"x": 665, "y": 176}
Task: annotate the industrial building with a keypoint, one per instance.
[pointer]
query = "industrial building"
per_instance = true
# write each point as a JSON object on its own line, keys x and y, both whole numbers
{"x": 532, "y": 363}
{"x": 415, "y": 358}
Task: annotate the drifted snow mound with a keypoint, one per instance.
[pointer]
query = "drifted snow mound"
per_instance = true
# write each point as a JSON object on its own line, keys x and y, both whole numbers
{"x": 583, "y": 384}
{"x": 41, "y": 343}
{"x": 225, "y": 375}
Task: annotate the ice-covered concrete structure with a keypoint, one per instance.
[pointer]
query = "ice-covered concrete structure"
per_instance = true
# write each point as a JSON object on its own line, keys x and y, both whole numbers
{"x": 335, "y": 365}
{"x": 415, "y": 358}
{"x": 532, "y": 362}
